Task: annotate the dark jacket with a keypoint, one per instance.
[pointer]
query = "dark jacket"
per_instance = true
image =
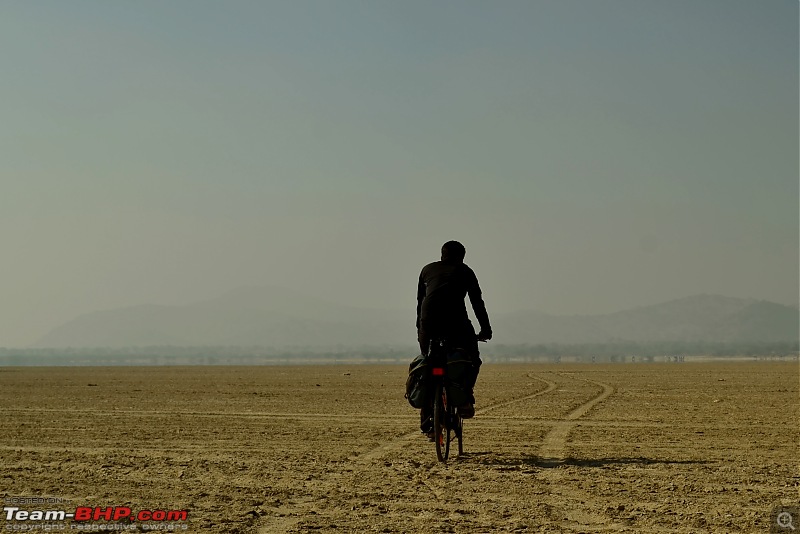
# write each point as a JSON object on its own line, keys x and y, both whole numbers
{"x": 443, "y": 285}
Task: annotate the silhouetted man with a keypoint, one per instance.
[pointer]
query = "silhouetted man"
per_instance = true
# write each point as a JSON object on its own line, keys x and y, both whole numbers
{"x": 441, "y": 312}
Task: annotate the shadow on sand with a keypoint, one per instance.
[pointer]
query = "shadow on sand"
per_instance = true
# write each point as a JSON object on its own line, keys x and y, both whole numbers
{"x": 528, "y": 460}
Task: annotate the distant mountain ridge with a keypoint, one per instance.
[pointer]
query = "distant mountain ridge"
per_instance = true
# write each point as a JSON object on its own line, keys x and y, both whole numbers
{"x": 277, "y": 318}
{"x": 709, "y": 318}
{"x": 248, "y": 316}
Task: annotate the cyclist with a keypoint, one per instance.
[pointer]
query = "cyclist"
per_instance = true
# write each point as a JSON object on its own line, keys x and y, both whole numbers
{"x": 441, "y": 313}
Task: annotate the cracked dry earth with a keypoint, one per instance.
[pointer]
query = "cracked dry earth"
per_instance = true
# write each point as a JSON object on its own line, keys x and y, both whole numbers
{"x": 688, "y": 448}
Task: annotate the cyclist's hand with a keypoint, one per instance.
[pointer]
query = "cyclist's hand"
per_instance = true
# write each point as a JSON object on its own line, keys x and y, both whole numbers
{"x": 485, "y": 335}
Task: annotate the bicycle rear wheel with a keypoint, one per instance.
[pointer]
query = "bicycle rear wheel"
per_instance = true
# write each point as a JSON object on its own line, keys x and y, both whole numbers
{"x": 440, "y": 427}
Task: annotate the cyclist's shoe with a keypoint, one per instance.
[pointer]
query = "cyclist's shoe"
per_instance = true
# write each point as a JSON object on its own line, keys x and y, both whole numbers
{"x": 431, "y": 435}
{"x": 426, "y": 426}
{"x": 466, "y": 411}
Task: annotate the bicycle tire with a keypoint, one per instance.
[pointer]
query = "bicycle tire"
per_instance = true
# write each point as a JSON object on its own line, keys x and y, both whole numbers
{"x": 448, "y": 424}
{"x": 439, "y": 426}
{"x": 460, "y": 434}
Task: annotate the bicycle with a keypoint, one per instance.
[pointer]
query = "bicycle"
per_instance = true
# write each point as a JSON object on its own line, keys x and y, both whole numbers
{"x": 447, "y": 422}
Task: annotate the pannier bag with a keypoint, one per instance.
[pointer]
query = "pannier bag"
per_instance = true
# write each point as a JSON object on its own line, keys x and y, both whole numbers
{"x": 417, "y": 383}
{"x": 459, "y": 372}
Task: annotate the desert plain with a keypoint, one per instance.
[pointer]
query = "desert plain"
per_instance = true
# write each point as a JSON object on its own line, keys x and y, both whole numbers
{"x": 646, "y": 447}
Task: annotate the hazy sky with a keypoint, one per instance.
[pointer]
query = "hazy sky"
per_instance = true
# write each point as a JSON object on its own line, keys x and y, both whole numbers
{"x": 591, "y": 155}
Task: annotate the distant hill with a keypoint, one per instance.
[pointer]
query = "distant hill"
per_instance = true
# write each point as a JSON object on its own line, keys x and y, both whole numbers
{"x": 249, "y": 316}
{"x": 700, "y": 318}
{"x": 277, "y": 318}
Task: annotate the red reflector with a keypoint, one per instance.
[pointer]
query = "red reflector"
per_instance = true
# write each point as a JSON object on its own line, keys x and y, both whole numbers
{"x": 438, "y": 371}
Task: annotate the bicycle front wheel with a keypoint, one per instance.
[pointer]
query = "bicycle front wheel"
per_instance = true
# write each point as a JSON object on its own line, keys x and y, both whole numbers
{"x": 460, "y": 433}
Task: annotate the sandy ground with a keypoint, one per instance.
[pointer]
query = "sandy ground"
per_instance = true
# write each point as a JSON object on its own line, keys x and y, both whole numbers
{"x": 553, "y": 448}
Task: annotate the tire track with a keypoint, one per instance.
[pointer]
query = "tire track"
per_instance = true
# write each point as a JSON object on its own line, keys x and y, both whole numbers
{"x": 576, "y": 515}
{"x": 555, "y": 442}
{"x": 400, "y": 441}
{"x": 293, "y": 513}
{"x": 550, "y": 387}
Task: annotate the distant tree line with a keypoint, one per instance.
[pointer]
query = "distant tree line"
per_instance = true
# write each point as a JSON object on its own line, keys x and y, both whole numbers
{"x": 258, "y": 355}
{"x": 203, "y": 355}
{"x": 622, "y": 349}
